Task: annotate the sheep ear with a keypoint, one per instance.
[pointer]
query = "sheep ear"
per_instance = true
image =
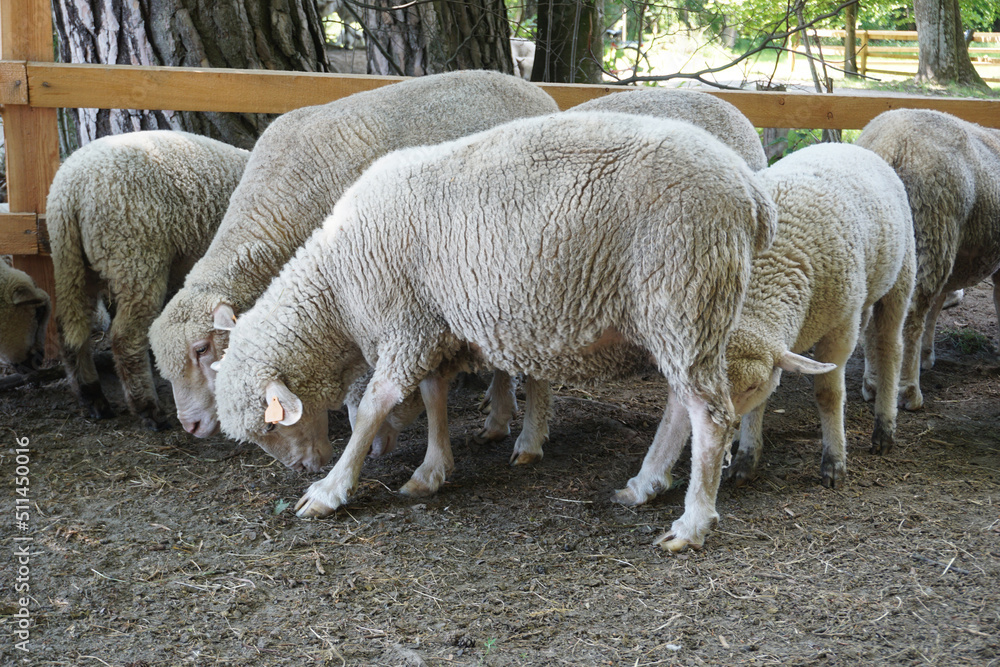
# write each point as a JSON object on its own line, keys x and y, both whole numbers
{"x": 27, "y": 295}
{"x": 280, "y": 398}
{"x": 224, "y": 317}
{"x": 796, "y": 363}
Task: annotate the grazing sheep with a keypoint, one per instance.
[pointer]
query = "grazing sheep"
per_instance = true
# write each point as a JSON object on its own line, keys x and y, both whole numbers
{"x": 24, "y": 314}
{"x": 708, "y": 112}
{"x": 569, "y": 247}
{"x": 951, "y": 171}
{"x": 129, "y": 215}
{"x": 298, "y": 170}
{"x": 842, "y": 260}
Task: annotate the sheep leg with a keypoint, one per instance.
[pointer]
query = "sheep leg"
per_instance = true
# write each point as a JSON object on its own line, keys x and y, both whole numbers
{"x": 77, "y": 353}
{"x": 884, "y": 337}
{"x": 747, "y": 457}
{"x": 83, "y": 378}
{"x": 500, "y": 403}
{"x": 668, "y": 443}
{"x": 709, "y": 444}
{"x": 535, "y": 428}
{"x": 323, "y": 497}
{"x": 829, "y": 389}
{"x": 910, "y": 396}
{"x": 869, "y": 379}
{"x": 401, "y": 416}
{"x": 930, "y": 323}
{"x": 438, "y": 461}
{"x": 139, "y": 302}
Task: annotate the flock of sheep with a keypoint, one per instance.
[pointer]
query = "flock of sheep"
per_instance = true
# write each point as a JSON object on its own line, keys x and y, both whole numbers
{"x": 369, "y": 249}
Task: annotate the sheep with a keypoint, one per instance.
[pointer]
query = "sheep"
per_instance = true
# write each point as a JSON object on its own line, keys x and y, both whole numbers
{"x": 297, "y": 171}
{"x": 718, "y": 117}
{"x": 24, "y": 316}
{"x": 842, "y": 260}
{"x": 570, "y": 247}
{"x": 129, "y": 215}
{"x": 951, "y": 171}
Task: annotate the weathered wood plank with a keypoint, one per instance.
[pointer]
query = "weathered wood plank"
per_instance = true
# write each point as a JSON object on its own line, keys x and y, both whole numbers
{"x": 19, "y": 234}
{"x": 190, "y": 89}
{"x": 31, "y": 134}
{"x": 13, "y": 82}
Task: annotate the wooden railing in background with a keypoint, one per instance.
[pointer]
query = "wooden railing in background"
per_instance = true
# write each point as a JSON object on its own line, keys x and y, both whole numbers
{"x": 986, "y": 59}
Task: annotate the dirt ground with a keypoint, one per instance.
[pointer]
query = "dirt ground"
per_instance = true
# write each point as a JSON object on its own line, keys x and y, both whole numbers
{"x": 159, "y": 549}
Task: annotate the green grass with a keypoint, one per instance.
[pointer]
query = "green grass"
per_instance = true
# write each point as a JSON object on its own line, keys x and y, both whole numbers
{"x": 967, "y": 341}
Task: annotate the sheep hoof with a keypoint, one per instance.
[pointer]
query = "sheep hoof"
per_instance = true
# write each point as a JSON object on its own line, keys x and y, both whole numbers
{"x": 833, "y": 473}
{"x": 740, "y": 471}
{"x": 668, "y": 542}
{"x": 524, "y": 458}
{"x": 310, "y": 508}
{"x": 154, "y": 420}
{"x": 911, "y": 398}
{"x": 883, "y": 438}
{"x": 489, "y": 434}
{"x": 631, "y": 498}
{"x": 927, "y": 360}
{"x": 868, "y": 389}
{"x": 153, "y": 424}
{"x": 416, "y": 489}
{"x": 96, "y": 404}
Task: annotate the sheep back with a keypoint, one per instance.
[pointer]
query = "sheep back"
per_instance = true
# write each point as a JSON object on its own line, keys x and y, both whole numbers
{"x": 718, "y": 117}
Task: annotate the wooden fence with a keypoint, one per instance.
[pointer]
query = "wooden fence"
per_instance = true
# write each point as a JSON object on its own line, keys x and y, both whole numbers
{"x": 32, "y": 88}
{"x": 985, "y": 57}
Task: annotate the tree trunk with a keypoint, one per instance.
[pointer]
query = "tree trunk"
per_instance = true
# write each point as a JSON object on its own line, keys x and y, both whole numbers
{"x": 850, "y": 39}
{"x": 279, "y": 35}
{"x": 944, "y": 55}
{"x": 419, "y": 38}
{"x": 570, "y": 43}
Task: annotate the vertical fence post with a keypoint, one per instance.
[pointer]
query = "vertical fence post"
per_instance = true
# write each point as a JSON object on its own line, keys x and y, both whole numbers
{"x": 31, "y": 135}
{"x": 863, "y": 54}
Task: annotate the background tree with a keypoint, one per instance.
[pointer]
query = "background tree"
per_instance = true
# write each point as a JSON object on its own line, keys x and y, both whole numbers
{"x": 944, "y": 53}
{"x": 278, "y": 35}
{"x": 569, "y": 47}
{"x": 432, "y": 36}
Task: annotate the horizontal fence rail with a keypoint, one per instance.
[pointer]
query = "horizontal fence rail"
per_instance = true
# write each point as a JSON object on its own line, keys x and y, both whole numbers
{"x": 41, "y": 85}
{"x": 987, "y": 58}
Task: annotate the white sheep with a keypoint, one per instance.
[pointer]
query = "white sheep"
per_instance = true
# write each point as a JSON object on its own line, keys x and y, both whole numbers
{"x": 842, "y": 261}
{"x": 24, "y": 314}
{"x": 569, "y": 247}
{"x": 951, "y": 171}
{"x": 129, "y": 215}
{"x": 718, "y": 117}
{"x": 298, "y": 170}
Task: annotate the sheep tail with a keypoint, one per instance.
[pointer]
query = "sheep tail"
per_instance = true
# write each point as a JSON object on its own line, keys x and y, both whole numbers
{"x": 73, "y": 308}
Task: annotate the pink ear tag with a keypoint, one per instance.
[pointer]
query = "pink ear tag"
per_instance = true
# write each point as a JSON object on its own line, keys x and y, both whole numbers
{"x": 274, "y": 413}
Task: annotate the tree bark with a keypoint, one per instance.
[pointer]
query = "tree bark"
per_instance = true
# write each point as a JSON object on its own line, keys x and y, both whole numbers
{"x": 570, "y": 43}
{"x": 850, "y": 39}
{"x": 944, "y": 55}
{"x": 434, "y": 36}
{"x": 249, "y": 34}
